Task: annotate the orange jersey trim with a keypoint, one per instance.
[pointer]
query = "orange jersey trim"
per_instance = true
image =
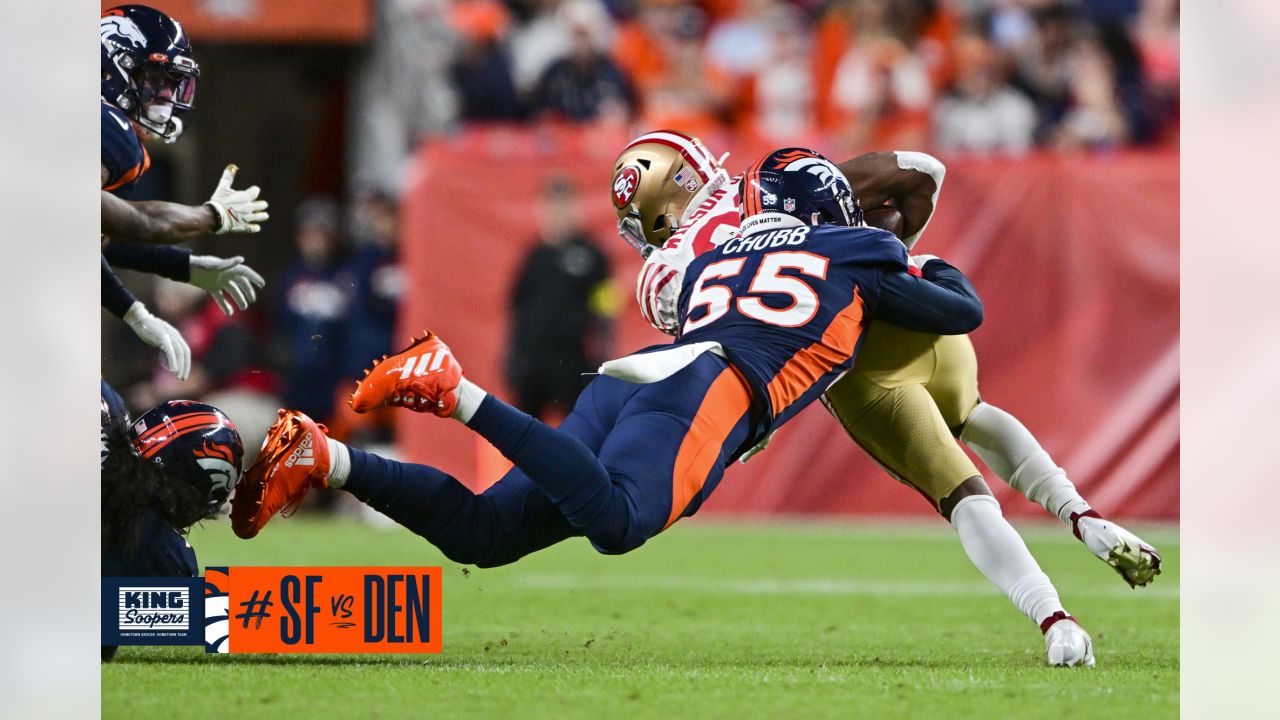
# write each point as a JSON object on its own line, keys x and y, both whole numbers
{"x": 726, "y": 401}
{"x": 807, "y": 366}
{"x": 134, "y": 173}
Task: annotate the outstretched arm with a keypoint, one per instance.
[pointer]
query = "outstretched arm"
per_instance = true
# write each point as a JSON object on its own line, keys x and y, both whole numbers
{"x": 158, "y": 222}
{"x": 942, "y": 302}
{"x": 909, "y": 180}
{"x": 155, "y": 221}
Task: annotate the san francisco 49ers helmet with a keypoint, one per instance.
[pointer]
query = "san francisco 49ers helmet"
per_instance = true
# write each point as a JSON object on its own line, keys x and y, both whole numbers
{"x": 655, "y": 179}
{"x": 147, "y": 67}
{"x": 195, "y": 442}
{"x": 801, "y": 183}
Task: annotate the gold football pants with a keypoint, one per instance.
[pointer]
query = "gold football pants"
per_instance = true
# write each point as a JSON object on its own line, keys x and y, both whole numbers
{"x": 900, "y": 402}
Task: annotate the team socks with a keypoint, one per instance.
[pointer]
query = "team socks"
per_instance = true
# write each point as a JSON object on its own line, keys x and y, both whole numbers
{"x": 1008, "y": 448}
{"x": 998, "y": 551}
{"x": 339, "y": 463}
{"x": 470, "y": 396}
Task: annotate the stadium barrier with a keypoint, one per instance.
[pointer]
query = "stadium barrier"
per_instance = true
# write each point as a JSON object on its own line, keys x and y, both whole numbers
{"x": 1076, "y": 258}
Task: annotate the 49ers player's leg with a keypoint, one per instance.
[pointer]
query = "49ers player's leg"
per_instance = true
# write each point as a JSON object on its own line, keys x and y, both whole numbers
{"x": 900, "y": 427}
{"x": 1009, "y": 449}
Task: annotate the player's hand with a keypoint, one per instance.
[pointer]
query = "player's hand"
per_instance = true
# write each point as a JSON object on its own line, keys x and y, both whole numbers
{"x": 159, "y": 334}
{"x": 918, "y": 261}
{"x": 239, "y": 211}
{"x": 226, "y": 279}
{"x": 658, "y": 293}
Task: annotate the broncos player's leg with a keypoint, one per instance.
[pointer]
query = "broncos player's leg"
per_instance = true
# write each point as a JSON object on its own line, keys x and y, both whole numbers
{"x": 504, "y": 523}
{"x": 630, "y": 460}
{"x": 883, "y": 405}
{"x": 1008, "y": 448}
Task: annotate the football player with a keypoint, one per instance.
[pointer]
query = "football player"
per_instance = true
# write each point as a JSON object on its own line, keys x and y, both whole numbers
{"x": 909, "y": 395}
{"x": 769, "y": 320}
{"x": 148, "y": 84}
{"x": 162, "y": 474}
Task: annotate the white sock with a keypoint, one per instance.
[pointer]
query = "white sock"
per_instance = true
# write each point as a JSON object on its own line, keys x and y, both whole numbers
{"x": 1009, "y": 448}
{"x": 997, "y": 550}
{"x": 339, "y": 464}
{"x": 470, "y": 395}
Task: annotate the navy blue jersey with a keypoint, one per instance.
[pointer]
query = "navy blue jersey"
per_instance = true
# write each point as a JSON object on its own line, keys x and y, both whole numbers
{"x": 123, "y": 154}
{"x": 789, "y": 305}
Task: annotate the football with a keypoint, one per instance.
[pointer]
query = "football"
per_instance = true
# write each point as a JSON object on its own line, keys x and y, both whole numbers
{"x": 885, "y": 217}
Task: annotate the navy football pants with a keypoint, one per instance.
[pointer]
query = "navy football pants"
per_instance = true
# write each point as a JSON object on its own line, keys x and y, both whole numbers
{"x": 628, "y": 462}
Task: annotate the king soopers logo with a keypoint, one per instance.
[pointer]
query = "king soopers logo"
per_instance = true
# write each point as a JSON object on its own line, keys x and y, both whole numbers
{"x": 155, "y": 608}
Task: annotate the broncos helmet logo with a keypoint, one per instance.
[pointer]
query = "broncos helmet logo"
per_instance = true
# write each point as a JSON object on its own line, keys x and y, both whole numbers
{"x": 218, "y": 462}
{"x": 810, "y": 162}
{"x": 116, "y": 30}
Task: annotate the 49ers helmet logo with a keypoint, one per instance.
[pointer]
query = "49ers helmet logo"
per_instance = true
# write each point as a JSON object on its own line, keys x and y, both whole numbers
{"x": 625, "y": 184}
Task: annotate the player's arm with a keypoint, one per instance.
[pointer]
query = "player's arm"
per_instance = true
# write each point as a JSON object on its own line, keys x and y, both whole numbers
{"x": 163, "y": 260}
{"x": 908, "y": 180}
{"x": 158, "y": 222}
{"x": 942, "y": 301}
{"x": 150, "y": 329}
{"x": 155, "y": 221}
{"x": 226, "y": 279}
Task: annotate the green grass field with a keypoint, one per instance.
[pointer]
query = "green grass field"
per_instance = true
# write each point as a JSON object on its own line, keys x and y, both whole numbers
{"x": 707, "y": 620}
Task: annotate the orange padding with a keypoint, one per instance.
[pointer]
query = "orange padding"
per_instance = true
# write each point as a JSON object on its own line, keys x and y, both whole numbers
{"x": 726, "y": 401}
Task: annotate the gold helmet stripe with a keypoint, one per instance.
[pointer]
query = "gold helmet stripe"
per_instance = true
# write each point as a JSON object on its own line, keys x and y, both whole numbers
{"x": 688, "y": 148}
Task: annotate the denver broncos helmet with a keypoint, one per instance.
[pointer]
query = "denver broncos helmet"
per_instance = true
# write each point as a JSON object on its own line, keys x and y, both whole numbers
{"x": 197, "y": 442}
{"x": 655, "y": 179}
{"x": 147, "y": 67}
{"x": 801, "y": 183}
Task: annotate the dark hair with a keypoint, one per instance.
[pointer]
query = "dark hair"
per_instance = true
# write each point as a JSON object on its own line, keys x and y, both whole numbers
{"x": 131, "y": 486}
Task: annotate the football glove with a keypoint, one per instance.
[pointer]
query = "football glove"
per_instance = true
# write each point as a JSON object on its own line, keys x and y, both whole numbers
{"x": 238, "y": 211}
{"x": 226, "y": 279}
{"x": 919, "y": 261}
{"x": 159, "y": 334}
{"x": 658, "y": 293}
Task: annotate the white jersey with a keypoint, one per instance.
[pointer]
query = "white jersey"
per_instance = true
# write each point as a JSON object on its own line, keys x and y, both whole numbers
{"x": 713, "y": 222}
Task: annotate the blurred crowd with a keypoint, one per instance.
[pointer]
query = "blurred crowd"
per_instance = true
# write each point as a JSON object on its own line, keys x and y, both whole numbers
{"x": 333, "y": 311}
{"x": 952, "y": 75}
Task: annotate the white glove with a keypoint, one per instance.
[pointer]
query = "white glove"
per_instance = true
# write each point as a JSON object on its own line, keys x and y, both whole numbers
{"x": 159, "y": 334}
{"x": 238, "y": 210}
{"x": 226, "y": 279}
{"x": 658, "y": 293}
{"x": 918, "y": 261}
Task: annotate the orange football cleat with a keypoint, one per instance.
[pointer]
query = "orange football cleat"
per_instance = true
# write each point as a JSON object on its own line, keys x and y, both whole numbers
{"x": 423, "y": 377}
{"x": 294, "y": 459}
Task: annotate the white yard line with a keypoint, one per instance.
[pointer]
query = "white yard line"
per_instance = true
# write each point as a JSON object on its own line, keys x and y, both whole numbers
{"x": 809, "y": 586}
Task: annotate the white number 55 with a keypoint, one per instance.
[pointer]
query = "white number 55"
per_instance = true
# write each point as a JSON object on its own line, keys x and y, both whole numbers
{"x": 716, "y": 298}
